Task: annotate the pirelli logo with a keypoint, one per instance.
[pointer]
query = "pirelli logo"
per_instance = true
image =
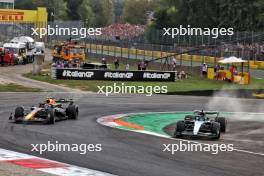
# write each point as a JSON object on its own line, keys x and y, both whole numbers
{"x": 11, "y": 16}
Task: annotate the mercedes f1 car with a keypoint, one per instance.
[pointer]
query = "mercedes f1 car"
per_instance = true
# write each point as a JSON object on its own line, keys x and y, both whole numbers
{"x": 201, "y": 124}
{"x": 47, "y": 112}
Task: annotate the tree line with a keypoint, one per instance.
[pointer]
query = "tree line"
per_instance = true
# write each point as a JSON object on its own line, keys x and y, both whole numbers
{"x": 242, "y": 15}
{"x": 92, "y": 12}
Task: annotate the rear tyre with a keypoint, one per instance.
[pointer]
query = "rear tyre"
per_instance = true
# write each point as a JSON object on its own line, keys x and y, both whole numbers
{"x": 222, "y": 122}
{"x": 72, "y": 112}
{"x": 19, "y": 114}
{"x": 216, "y": 130}
{"x": 50, "y": 117}
{"x": 180, "y": 127}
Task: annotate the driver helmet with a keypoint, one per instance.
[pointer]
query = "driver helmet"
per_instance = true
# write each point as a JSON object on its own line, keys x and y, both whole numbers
{"x": 51, "y": 101}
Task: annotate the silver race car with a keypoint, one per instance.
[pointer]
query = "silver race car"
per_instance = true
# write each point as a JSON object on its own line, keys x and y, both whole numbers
{"x": 201, "y": 123}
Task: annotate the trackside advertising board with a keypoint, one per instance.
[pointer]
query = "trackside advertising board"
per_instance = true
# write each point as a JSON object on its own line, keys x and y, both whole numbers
{"x": 85, "y": 74}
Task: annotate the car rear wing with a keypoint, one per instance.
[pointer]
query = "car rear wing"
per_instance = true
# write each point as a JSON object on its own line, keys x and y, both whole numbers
{"x": 63, "y": 100}
{"x": 206, "y": 112}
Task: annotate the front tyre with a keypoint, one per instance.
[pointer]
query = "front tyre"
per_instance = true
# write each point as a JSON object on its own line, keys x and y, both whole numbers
{"x": 72, "y": 112}
{"x": 19, "y": 114}
{"x": 222, "y": 122}
{"x": 216, "y": 130}
{"x": 50, "y": 117}
{"x": 180, "y": 127}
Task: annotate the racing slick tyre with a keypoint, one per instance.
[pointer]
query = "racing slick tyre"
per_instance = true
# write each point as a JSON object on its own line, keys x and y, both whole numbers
{"x": 50, "y": 117}
{"x": 216, "y": 130}
{"x": 19, "y": 114}
{"x": 180, "y": 127}
{"x": 72, "y": 112}
{"x": 222, "y": 122}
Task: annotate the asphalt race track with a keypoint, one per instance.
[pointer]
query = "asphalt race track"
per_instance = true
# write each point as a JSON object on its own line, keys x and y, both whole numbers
{"x": 127, "y": 153}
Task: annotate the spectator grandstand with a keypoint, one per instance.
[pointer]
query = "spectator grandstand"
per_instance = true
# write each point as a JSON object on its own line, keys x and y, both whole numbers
{"x": 246, "y": 45}
{"x": 122, "y": 31}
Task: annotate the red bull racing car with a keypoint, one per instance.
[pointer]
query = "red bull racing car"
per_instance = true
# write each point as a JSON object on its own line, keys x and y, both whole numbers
{"x": 48, "y": 112}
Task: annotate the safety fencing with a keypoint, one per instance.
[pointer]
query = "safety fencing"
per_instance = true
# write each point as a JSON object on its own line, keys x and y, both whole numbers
{"x": 152, "y": 45}
{"x": 182, "y": 59}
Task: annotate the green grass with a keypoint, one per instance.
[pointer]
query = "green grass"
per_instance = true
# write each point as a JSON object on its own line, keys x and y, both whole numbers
{"x": 193, "y": 83}
{"x": 155, "y": 122}
{"x": 16, "y": 88}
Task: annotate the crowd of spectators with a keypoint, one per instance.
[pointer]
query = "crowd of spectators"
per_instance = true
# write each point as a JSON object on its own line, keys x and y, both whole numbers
{"x": 6, "y": 57}
{"x": 123, "y": 31}
{"x": 142, "y": 65}
{"x": 246, "y": 50}
{"x": 67, "y": 64}
{"x": 242, "y": 50}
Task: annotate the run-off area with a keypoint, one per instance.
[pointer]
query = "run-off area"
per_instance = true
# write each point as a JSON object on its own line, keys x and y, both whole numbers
{"x": 244, "y": 130}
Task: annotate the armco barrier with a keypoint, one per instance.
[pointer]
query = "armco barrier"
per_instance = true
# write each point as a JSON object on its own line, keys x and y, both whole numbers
{"x": 87, "y": 74}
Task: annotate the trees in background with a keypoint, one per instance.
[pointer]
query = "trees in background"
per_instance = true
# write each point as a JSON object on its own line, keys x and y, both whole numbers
{"x": 96, "y": 12}
{"x": 86, "y": 13}
{"x": 25, "y": 4}
{"x": 58, "y": 6}
{"x": 118, "y": 10}
{"x": 93, "y": 12}
{"x": 242, "y": 15}
{"x": 73, "y": 9}
{"x": 136, "y": 11}
{"x": 103, "y": 12}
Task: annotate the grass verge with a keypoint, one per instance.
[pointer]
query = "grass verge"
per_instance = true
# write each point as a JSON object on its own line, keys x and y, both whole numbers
{"x": 16, "y": 88}
{"x": 193, "y": 83}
